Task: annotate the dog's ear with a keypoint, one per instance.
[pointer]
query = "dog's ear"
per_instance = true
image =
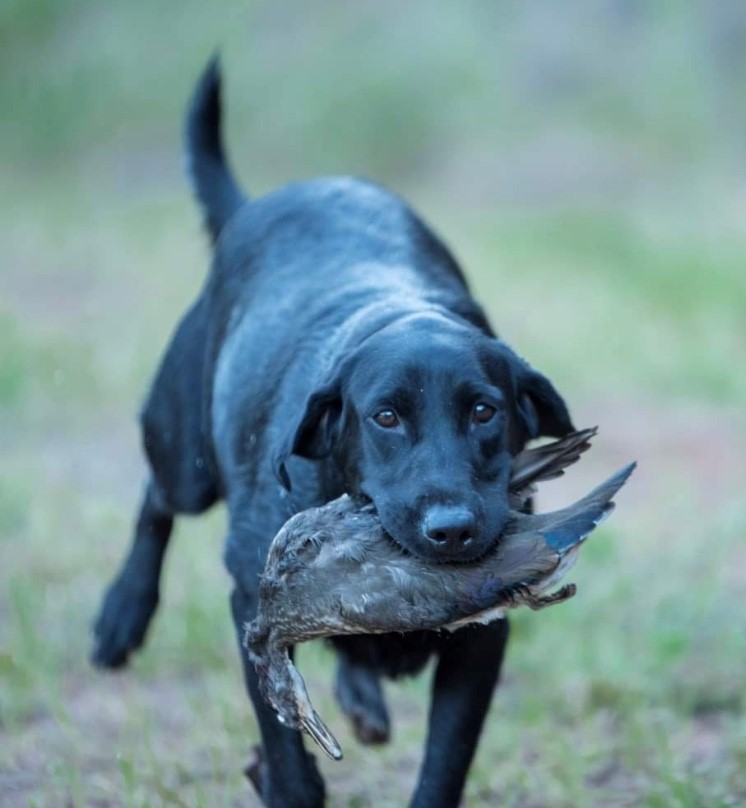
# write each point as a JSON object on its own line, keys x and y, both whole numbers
{"x": 313, "y": 431}
{"x": 541, "y": 409}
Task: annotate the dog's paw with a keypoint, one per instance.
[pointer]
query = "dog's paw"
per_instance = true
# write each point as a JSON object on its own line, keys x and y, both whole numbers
{"x": 120, "y": 629}
{"x": 254, "y": 770}
{"x": 358, "y": 692}
{"x": 303, "y": 794}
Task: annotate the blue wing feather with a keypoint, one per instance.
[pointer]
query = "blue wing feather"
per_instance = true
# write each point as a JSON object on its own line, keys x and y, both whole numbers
{"x": 564, "y": 529}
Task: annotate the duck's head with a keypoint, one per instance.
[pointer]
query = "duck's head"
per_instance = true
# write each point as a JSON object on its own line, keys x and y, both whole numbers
{"x": 287, "y": 693}
{"x": 424, "y": 418}
{"x": 300, "y": 713}
{"x": 283, "y": 687}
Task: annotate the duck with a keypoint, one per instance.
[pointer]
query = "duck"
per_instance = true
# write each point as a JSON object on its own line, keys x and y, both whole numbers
{"x": 333, "y": 570}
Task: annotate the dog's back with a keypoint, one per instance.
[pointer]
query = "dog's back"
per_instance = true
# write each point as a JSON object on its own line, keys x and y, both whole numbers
{"x": 291, "y": 272}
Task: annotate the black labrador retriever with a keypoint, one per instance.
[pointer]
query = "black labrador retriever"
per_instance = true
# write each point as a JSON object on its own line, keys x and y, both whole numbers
{"x": 334, "y": 347}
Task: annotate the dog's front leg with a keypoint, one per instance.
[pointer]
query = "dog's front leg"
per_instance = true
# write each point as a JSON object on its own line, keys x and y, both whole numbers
{"x": 465, "y": 677}
{"x": 285, "y": 774}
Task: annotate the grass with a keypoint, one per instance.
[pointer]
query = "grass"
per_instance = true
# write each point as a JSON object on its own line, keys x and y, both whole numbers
{"x": 632, "y": 693}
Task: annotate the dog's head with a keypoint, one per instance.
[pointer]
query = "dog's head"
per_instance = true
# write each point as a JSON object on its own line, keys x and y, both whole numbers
{"x": 424, "y": 418}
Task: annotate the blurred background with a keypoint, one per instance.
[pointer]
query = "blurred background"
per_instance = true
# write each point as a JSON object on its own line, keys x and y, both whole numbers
{"x": 587, "y": 163}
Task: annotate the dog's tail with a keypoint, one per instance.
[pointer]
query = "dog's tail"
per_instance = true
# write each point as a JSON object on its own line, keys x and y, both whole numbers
{"x": 212, "y": 179}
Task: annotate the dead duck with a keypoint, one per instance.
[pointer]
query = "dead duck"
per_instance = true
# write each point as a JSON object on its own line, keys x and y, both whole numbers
{"x": 332, "y": 571}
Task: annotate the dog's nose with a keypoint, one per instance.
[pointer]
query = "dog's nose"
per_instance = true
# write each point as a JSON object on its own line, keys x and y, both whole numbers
{"x": 450, "y": 528}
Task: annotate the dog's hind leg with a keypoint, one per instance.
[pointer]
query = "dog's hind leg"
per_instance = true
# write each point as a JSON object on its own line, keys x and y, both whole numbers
{"x": 358, "y": 692}
{"x": 181, "y": 481}
{"x": 132, "y": 597}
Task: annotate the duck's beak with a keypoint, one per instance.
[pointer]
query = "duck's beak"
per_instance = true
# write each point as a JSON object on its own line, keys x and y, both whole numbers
{"x": 309, "y": 719}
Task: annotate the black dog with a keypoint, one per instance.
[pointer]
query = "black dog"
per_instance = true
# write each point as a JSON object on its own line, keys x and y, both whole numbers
{"x": 335, "y": 347}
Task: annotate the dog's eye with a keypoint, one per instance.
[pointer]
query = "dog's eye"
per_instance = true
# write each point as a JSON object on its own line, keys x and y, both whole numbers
{"x": 482, "y": 413}
{"x": 388, "y": 419}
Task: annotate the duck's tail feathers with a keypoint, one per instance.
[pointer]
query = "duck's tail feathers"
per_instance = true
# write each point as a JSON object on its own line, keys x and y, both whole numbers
{"x": 212, "y": 179}
{"x": 569, "y": 527}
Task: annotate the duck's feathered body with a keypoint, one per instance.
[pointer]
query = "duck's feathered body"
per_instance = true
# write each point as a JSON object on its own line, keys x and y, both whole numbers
{"x": 332, "y": 571}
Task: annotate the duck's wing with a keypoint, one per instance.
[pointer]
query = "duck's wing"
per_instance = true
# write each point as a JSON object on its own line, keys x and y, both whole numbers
{"x": 564, "y": 529}
{"x": 537, "y": 551}
{"x": 546, "y": 462}
{"x": 522, "y": 560}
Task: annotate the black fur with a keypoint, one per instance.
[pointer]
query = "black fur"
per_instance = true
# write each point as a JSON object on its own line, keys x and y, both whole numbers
{"x": 216, "y": 189}
{"x": 327, "y": 302}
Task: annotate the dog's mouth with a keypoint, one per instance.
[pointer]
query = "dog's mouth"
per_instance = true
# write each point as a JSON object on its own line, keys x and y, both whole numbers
{"x": 473, "y": 560}
{"x": 365, "y": 503}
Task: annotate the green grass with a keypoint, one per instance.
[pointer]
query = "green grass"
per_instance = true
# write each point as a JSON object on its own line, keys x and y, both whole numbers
{"x": 635, "y": 687}
{"x": 667, "y": 306}
{"x": 633, "y": 302}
